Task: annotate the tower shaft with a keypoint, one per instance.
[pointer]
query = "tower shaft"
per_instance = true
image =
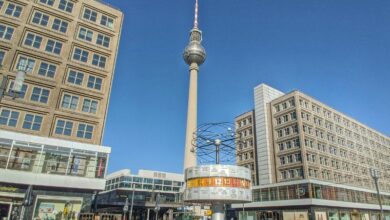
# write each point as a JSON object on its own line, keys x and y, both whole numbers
{"x": 189, "y": 156}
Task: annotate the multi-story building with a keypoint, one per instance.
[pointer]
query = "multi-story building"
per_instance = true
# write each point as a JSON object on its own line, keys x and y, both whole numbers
{"x": 246, "y": 150}
{"x": 151, "y": 189}
{"x": 51, "y": 134}
{"x": 315, "y": 162}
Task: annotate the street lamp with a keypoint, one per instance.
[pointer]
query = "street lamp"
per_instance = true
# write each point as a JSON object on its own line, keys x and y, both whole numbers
{"x": 17, "y": 87}
{"x": 375, "y": 174}
{"x": 157, "y": 206}
{"x": 27, "y": 201}
{"x": 132, "y": 202}
{"x": 125, "y": 208}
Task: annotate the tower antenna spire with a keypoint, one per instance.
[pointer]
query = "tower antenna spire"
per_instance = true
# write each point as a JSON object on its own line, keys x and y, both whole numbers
{"x": 196, "y": 15}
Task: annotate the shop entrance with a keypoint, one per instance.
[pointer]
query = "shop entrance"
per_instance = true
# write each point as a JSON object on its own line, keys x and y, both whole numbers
{"x": 268, "y": 215}
{"x": 5, "y": 210}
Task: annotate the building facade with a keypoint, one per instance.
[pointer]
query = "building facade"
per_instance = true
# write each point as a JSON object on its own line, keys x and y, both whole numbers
{"x": 315, "y": 162}
{"x": 51, "y": 133}
{"x": 151, "y": 189}
{"x": 246, "y": 152}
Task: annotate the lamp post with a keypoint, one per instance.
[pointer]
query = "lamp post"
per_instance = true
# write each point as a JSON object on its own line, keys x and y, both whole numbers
{"x": 132, "y": 202}
{"x": 27, "y": 201}
{"x": 157, "y": 207}
{"x": 375, "y": 174}
{"x": 17, "y": 87}
{"x": 125, "y": 208}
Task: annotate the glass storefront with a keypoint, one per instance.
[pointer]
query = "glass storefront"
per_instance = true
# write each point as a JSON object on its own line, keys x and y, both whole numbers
{"x": 316, "y": 191}
{"x": 30, "y": 157}
{"x": 57, "y": 209}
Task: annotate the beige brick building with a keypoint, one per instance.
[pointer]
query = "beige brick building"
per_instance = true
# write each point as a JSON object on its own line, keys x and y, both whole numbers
{"x": 68, "y": 49}
{"x": 51, "y": 134}
{"x": 311, "y": 160}
{"x": 314, "y": 141}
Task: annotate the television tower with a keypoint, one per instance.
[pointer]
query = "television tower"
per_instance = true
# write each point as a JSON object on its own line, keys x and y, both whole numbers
{"x": 194, "y": 55}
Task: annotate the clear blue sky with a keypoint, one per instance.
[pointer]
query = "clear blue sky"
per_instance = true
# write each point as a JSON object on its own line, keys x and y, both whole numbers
{"x": 337, "y": 51}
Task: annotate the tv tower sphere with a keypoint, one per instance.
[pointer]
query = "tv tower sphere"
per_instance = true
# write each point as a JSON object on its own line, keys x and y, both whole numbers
{"x": 194, "y": 52}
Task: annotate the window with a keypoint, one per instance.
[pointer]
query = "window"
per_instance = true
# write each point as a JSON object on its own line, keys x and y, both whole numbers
{"x": 2, "y": 55}
{"x": 22, "y": 92}
{"x": 66, "y": 5}
{"x": 9, "y": 118}
{"x": 48, "y": 70}
{"x": 70, "y": 102}
{"x": 32, "y": 122}
{"x": 6, "y": 32}
{"x": 13, "y": 10}
{"x": 90, "y": 15}
{"x": 85, "y": 131}
{"x": 90, "y": 106}
{"x": 47, "y": 2}
{"x": 60, "y": 25}
{"x": 40, "y": 95}
{"x": 99, "y": 61}
{"x": 103, "y": 40}
{"x": 1, "y": 4}
{"x": 64, "y": 127}
{"x": 33, "y": 40}
{"x": 75, "y": 77}
{"x": 40, "y": 19}
{"x": 85, "y": 34}
{"x": 107, "y": 21}
{"x": 94, "y": 82}
{"x": 80, "y": 55}
{"x": 26, "y": 64}
{"x": 53, "y": 47}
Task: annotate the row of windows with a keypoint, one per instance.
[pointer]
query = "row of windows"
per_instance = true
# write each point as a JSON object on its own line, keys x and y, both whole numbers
{"x": 41, "y": 95}
{"x": 65, "y": 127}
{"x": 36, "y": 41}
{"x": 33, "y": 122}
{"x": 88, "y": 14}
{"x": 64, "y": 5}
{"x": 245, "y": 121}
{"x": 44, "y": 20}
{"x": 285, "y": 105}
{"x": 60, "y": 25}
{"x": 88, "y": 35}
{"x": 82, "y": 55}
{"x": 92, "y": 16}
{"x": 49, "y": 70}
{"x": 289, "y": 144}
{"x": 72, "y": 101}
{"x": 291, "y": 158}
{"x": 286, "y": 118}
{"x": 291, "y": 173}
{"x": 287, "y": 131}
{"x": 245, "y": 144}
{"x": 343, "y": 121}
{"x": 245, "y": 156}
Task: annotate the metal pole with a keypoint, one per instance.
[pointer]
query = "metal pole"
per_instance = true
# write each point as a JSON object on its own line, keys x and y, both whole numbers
{"x": 22, "y": 211}
{"x": 132, "y": 202}
{"x": 3, "y": 86}
{"x": 156, "y": 214}
{"x": 147, "y": 216}
{"x": 379, "y": 196}
{"x": 217, "y": 145}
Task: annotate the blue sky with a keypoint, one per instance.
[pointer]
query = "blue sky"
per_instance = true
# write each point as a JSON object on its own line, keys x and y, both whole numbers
{"x": 337, "y": 51}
